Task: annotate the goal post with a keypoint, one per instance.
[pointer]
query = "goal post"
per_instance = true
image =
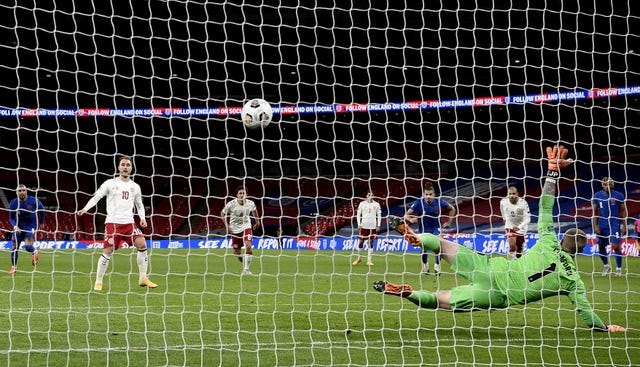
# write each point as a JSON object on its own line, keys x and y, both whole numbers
{"x": 380, "y": 97}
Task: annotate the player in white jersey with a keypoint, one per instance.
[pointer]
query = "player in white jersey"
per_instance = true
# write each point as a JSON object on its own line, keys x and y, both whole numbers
{"x": 236, "y": 216}
{"x": 368, "y": 217}
{"x": 122, "y": 195}
{"x": 516, "y": 216}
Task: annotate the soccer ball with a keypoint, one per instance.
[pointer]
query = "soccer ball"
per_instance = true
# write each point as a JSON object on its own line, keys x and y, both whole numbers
{"x": 256, "y": 113}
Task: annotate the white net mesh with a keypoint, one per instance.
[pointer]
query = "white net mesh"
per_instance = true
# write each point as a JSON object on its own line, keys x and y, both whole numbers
{"x": 365, "y": 97}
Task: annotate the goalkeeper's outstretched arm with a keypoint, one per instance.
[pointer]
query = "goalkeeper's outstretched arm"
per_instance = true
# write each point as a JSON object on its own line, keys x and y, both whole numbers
{"x": 557, "y": 159}
{"x": 587, "y": 314}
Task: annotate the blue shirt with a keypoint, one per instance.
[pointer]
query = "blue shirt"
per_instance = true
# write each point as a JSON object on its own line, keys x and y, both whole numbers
{"x": 26, "y": 214}
{"x": 609, "y": 206}
{"x": 430, "y": 213}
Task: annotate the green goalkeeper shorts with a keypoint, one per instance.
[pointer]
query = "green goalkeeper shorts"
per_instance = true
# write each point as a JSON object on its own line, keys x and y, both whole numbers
{"x": 479, "y": 270}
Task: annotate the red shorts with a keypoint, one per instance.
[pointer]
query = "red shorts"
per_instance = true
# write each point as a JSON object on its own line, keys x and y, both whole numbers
{"x": 117, "y": 234}
{"x": 238, "y": 239}
{"x": 512, "y": 234}
{"x": 371, "y": 234}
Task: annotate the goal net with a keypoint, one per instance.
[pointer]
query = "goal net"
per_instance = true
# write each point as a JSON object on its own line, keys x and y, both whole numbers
{"x": 366, "y": 96}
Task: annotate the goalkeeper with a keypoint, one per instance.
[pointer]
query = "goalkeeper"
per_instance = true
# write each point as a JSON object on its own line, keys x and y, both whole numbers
{"x": 548, "y": 269}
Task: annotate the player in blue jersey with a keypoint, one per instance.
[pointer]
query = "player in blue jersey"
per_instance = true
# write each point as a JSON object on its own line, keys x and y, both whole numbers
{"x": 426, "y": 211}
{"x": 25, "y": 214}
{"x": 548, "y": 269}
{"x": 609, "y": 223}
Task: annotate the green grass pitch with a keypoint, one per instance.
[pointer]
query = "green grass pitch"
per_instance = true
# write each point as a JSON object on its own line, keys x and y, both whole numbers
{"x": 300, "y": 308}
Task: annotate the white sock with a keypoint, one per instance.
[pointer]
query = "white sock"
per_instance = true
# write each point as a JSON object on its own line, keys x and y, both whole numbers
{"x": 143, "y": 263}
{"x": 103, "y": 263}
{"x": 370, "y": 254}
{"x": 247, "y": 261}
{"x": 359, "y": 252}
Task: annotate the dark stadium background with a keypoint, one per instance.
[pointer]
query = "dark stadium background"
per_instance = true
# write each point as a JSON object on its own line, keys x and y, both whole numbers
{"x": 174, "y": 54}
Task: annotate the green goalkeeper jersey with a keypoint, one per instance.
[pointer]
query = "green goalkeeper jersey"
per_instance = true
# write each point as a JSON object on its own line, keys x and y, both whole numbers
{"x": 545, "y": 271}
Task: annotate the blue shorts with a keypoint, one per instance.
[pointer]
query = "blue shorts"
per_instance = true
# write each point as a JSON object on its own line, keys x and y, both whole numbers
{"x": 18, "y": 237}
{"x": 606, "y": 238}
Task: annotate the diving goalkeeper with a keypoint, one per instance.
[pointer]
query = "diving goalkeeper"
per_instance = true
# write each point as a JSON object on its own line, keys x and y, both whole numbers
{"x": 548, "y": 269}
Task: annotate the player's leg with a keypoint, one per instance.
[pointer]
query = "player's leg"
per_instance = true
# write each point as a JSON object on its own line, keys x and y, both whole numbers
{"x": 473, "y": 297}
{"x": 247, "y": 238}
{"x": 515, "y": 242}
{"x": 17, "y": 238}
{"x": 110, "y": 238}
{"x": 603, "y": 241}
{"x": 425, "y": 261}
{"x": 142, "y": 258}
{"x": 401, "y": 226}
{"x": 424, "y": 258}
{"x": 237, "y": 244}
{"x": 513, "y": 247}
{"x": 478, "y": 269}
{"x": 436, "y": 265}
{"x": 431, "y": 300}
{"x": 470, "y": 297}
{"x": 372, "y": 239}
{"x": 482, "y": 293}
{"x": 426, "y": 241}
{"x": 616, "y": 249}
{"x": 464, "y": 298}
{"x": 424, "y": 299}
{"x": 445, "y": 248}
{"x": 29, "y": 240}
{"x": 440, "y": 246}
{"x": 361, "y": 240}
{"x": 520, "y": 246}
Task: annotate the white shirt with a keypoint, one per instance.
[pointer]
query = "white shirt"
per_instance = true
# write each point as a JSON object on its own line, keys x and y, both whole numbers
{"x": 240, "y": 215}
{"x": 516, "y": 215}
{"x": 369, "y": 215}
{"x": 121, "y": 198}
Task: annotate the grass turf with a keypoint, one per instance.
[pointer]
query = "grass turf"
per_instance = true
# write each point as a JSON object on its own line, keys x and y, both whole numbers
{"x": 302, "y": 308}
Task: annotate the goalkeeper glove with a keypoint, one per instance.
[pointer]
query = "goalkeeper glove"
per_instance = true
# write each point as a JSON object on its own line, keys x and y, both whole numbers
{"x": 615, "y": 329}
{"x": 557, "y": 159}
